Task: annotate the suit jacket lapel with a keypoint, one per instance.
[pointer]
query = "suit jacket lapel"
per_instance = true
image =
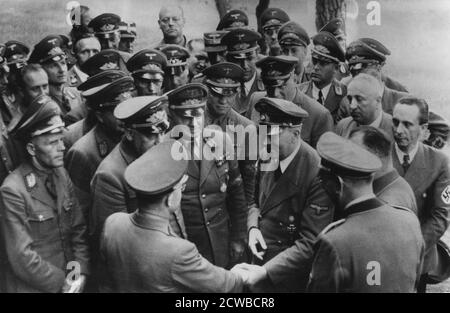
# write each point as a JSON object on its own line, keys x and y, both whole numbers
{"x": 332, "y": 102}
{"x": 286, "y": 186}
{"x": 416, "y": 173}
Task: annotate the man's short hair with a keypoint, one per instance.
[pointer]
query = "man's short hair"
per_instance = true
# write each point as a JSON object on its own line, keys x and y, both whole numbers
{"x": 371, "y": 81}
{"x": 375, "y": 140}
{"x": 29, "y": 68}
{"x": 420, "y": 103}
{"x": 171, "y": 6}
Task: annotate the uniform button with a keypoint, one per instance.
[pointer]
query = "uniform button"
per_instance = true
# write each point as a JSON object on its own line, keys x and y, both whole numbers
{"x": 279, "y": 242}
{"x": 207, "y": 223}
{"x": 281, "y": 224}
{"x": 206, "y": 210}
{"x": 424, "y": 195}
{"x": 203, "y": 196}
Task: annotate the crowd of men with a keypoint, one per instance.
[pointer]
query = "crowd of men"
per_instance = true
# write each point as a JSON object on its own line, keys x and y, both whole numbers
{"x": 93, "y": 198}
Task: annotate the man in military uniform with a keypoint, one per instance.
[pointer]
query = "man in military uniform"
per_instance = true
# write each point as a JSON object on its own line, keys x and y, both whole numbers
{"x": 326, "y": 56}
{"x": 271, "y": 20}
{"x": 292, "y": 207}
{"x": 241, "y": 49}
{"x": 162, "y": 262}
{"x": 13, "y": 55}
{"x": 347, "y": 257}
{"x": 108, "y": 59}
{"x": 294, "y": 41}
{"x": 223, "y": 80}
{"x": 84, "y": 49}
{"x": 336, "y": 27}
{"x": 106, "y": 29}
{"x": 145, "y": 121}
{"x": 427, "y": 171}
{"x": 86, "y": 154}
{"x": 43, "y": 227}
{"x": 213, "y": 205}
{"x": 52, "y": 58}
{"x": 171, "y": 22}
{"x": 233, "y": 19}
{"x": 128, "y": 35}
{"x": 439, "y": 130}
{"x": 213, "y": 46}
{"x": 365, "y": 95}
{"x": 368, "y": 56}
{"x": 388, "y": 185}
{"x": 177, "y": 70}
{"x": 276, "y": 73}
{"x": 148, "y": 69}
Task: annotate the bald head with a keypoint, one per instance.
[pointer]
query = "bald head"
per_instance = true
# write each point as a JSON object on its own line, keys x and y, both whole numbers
{"x": 171, "y": 23}
{"x": 364, "y": 94}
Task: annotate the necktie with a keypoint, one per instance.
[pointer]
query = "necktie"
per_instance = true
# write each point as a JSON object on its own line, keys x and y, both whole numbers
{"x": 405, "y": 164}
{"x": 277, "y": 174}
{"x": 320, "y": 98}
{"x": 50, "y": 185}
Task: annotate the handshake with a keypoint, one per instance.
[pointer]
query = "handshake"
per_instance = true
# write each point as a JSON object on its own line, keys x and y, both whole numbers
{"x": 251, "y": 274}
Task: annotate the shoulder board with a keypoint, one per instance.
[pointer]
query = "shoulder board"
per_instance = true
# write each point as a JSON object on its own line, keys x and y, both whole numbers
{"x": 332, "y": 226}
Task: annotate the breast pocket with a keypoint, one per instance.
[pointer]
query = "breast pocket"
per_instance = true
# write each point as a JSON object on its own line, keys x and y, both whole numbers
{"x": 42, "y": 222}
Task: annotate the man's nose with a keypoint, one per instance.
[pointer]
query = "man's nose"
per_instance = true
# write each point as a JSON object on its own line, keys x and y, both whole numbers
{"x": 353, "y": 104}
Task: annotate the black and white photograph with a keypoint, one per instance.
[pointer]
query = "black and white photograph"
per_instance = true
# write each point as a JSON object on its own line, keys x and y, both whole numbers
{"x": 224, "y": 151}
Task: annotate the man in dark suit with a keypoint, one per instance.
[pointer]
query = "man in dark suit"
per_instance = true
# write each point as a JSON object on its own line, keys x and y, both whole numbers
{"x": 388, "y": 185}
{"x": 292, "y": 206}
{"x": 223, "y": 80}
{"x": 375, "y": 247}
{"x": 241, "y": 50}
{"x": 327, "y": 54}
{"x": 427, "y": 171}
{"x": 214, "y": 206}
{"x": 140, "y": 251}
{"x": 364, "y": 93}
{"x": 42, "y": 223}
{"x": 145, "y": 121}
{"x": 276, "y": 73}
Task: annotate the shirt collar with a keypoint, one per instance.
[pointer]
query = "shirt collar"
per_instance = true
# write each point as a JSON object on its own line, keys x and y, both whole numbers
{"x": 401, "y": 154}
{"x": 325, "y": 90}
{"x": 285, "y": 163}
{"x": 248, "y": 85}
{"x": 377, "y": 121}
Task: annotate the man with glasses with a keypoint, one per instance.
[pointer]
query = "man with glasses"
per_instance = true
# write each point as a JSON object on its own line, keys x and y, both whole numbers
{"x": 106, "y": 29}
{"x": 213, "y": 204}
{"x": 292, "y": 208}
{"x": 49, "y": 54}
{"x": 327, "y": 55}
{"x": 171, "y": 22}
{"x": 223, "y": 80}
{"x": 148, "y": 70}
{"x": 241, "y": 49}
{"x": 276, "y": 74}
{"x": 271, "y": 20}
{"x": 177, "y": 70}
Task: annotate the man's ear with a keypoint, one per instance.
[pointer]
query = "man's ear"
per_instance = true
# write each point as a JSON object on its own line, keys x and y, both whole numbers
{"x": 31, "y": 149}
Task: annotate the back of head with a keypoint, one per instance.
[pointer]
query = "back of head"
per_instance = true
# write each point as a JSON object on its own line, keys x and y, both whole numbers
{"x": 374, "y": 140}
{"x": 369, "y": 83}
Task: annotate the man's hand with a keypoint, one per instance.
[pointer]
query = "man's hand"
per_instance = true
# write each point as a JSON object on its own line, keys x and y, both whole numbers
{"x": 255, "y": 237}
{"x": 237, "y": 249}
{"x": 250, "y": 273}
{"x": 74, "y": 286}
